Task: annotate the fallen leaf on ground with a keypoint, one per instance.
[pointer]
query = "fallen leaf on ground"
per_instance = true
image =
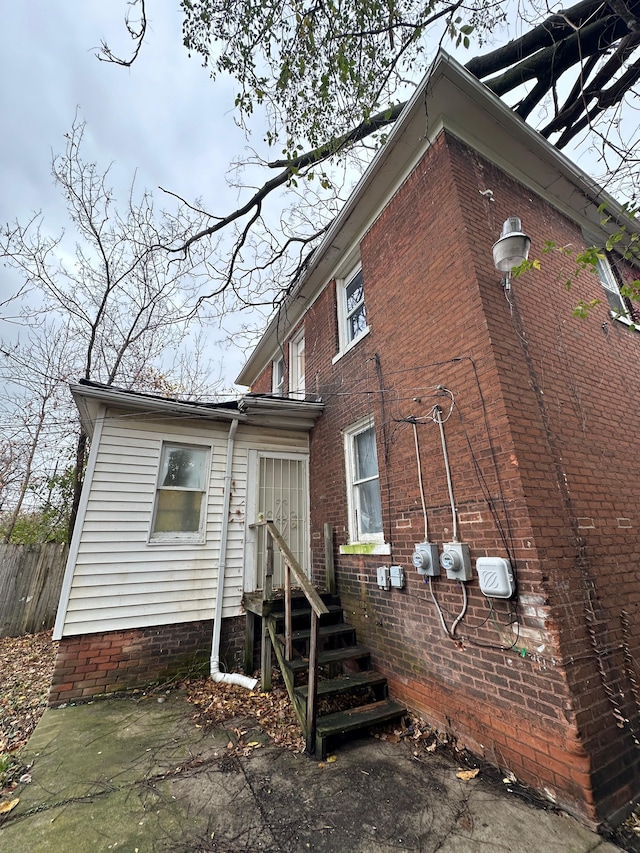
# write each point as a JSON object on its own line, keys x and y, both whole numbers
{"x": 7, "y": 807}
{"x": 465, "y": 775}
{"x": 26, "y": 664}
{"x": 331, "y": 759}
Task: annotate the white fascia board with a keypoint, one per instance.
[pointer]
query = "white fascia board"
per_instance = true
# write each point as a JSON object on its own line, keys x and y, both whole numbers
{"x": 452, "y": 98}
{"x": 89, "y": 399}
{"x": 282, "y": 412}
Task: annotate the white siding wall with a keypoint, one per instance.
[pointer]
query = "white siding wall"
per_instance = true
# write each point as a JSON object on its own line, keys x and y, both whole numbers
{"x": 119, "y": 580}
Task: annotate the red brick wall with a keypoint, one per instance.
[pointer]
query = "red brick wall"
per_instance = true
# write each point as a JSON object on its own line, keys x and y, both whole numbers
{"x": 96, "y": 664}
{"x": 541, "y": 443}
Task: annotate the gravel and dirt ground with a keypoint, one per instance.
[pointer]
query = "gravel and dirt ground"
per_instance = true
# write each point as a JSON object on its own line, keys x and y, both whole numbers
{"x": 26, "y": 667}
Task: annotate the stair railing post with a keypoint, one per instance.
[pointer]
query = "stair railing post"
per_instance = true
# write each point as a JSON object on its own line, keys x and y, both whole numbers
{"x": 288, "y": 642}
{"x": 313, "y": 684}
{"x": 267, "y": 594}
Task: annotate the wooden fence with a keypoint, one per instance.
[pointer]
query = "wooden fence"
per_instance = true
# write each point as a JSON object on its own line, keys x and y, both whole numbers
{"x": 30, "y": 582}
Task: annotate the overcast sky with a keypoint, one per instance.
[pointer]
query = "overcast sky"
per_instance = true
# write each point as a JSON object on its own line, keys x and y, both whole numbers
{"x": 163, "y": 117}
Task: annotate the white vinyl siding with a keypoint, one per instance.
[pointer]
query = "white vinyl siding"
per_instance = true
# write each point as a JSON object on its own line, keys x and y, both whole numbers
{"x": 120, "y": 580}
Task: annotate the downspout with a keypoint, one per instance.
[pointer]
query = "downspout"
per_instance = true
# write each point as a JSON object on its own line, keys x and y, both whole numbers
{"x": 216, "y": 675}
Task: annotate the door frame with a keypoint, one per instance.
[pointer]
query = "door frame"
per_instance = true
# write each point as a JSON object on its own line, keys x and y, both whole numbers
{"x": 251, "y": 516}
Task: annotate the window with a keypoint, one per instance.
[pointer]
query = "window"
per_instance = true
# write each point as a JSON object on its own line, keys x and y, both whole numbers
{"x": 365, "y": 510}
{"x": 277, "y": 376}
{"x": 296, "y": 366}
{"x": 608, "y": 280}
{"x": 180, "y": 494}
{"x": 355, "y": 313}
{"x": 352, "y": 317}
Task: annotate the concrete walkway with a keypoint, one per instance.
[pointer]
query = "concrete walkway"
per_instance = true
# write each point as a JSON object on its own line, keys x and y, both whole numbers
{"x": 138, "y": 776}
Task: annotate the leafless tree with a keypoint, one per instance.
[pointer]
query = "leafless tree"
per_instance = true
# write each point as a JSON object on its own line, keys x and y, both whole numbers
{"x": 333, "y": 78}
{"x": 122, "y": 305}
{"x": 34, "y": 411}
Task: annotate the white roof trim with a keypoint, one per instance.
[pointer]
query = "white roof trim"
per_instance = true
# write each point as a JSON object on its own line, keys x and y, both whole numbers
{"x": 261, "y": 411}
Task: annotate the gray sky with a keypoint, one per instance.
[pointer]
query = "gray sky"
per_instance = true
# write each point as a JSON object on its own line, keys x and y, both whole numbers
{"x": 163, "y": 117}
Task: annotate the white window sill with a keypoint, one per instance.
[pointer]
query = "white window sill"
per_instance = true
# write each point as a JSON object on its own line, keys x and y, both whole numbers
{"x": 176, "y": 540}
{"x": 366, "y": 548}
{"x": 351, "y": 345}
{"x": 622, "y": 318}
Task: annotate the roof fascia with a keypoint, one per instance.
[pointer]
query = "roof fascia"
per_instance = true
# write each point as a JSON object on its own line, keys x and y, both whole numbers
{"x": 259, "y": 412}
{"x": 88, "y": 399}
{"x": 284, "y": 412}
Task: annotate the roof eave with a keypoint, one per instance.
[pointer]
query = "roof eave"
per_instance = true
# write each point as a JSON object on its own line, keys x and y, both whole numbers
{"x": 89, "y": 399}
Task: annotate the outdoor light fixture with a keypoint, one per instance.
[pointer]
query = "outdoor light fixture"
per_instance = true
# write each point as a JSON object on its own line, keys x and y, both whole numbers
{"x": 511, "y": 249}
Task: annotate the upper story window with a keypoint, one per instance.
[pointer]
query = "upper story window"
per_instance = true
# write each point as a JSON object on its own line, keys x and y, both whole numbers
{"x": 277, "y": 376}
{"x": 297, "y": 366}
{"x": 179, "y": 511}
{"x": 355, "y": 313}
{"x": 352, "y": 316}
{"x": 363, "y": 483}
{"x": 609, "y": 282}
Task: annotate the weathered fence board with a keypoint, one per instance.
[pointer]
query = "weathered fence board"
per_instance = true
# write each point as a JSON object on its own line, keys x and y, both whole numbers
{"x": 30, "y": 582}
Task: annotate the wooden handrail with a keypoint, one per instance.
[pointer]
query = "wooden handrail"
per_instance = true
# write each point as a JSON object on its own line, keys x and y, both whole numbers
{"x": 317, "y": 604}
{"x": 318, "y": 608}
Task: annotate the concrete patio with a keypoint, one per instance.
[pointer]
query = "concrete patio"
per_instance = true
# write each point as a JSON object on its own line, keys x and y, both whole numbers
{"x": 137, "y": 775}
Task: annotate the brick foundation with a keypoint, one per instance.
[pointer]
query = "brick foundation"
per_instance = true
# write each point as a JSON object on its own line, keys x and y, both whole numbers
{"x": 96, "y": 664}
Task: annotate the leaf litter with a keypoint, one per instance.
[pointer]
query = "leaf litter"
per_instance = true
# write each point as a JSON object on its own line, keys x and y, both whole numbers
{"x": 26, "y": 667}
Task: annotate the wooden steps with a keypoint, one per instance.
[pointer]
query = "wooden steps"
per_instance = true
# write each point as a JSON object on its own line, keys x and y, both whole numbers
{"x": 354, "y": 719}
{"x": 334, "y": 656}
{"x": 351, "y": 696}
{"x": 340, "y": 631}
{"x": 346, "y": 683}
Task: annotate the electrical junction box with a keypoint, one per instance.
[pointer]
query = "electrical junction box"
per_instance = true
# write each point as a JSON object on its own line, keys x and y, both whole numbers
{"x": 495, "y": 576}
{"x": 397, "y": 576}
{"x": 456, "y": 561}
{"x": 384, "y": 579}
{"x": 425, "y": 559}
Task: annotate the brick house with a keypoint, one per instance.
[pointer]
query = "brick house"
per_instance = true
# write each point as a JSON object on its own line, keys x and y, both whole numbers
{"x": 459, "y": 411}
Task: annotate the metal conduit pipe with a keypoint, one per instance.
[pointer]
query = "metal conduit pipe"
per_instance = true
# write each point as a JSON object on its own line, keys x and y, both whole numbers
{"x": 216, "y": 675}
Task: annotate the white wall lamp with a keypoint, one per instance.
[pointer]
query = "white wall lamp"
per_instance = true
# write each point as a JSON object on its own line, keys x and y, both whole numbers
{"x": 511, "y": 249}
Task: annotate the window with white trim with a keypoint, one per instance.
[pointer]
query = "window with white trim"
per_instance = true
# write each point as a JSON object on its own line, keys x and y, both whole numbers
{"x": 179, "y": 511}
{"x": 296, "y": 366}
{"x": 352, "y": 315}
{"x": 277, "y": 376}
{"x": 609, "y": 282}
{"x": 363, "y": 483}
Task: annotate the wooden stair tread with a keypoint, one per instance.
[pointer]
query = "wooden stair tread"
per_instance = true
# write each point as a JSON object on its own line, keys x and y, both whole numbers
{"x": 324, "y": 631}
{"x": 358, "y": 718}
{"x": 297, "y": 612}
{"x": 331, "y": 656}
{"x": 345, "y": 683}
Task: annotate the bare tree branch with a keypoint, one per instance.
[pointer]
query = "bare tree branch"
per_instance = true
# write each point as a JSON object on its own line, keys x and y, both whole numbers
{"x": 137, "y": 32}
